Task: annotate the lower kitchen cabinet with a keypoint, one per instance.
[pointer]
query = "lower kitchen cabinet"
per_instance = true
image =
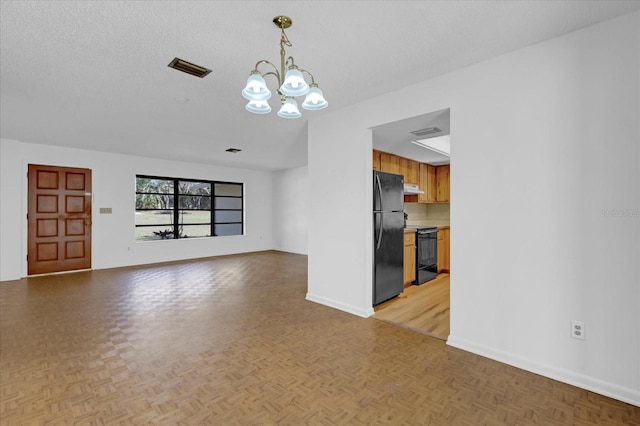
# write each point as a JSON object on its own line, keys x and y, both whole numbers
{"x": 443, "y": 250}
{"x": 409, "y": 258}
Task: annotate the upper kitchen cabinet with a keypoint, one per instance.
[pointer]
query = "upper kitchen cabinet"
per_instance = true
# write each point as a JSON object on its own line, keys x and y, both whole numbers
{"x": 427, "y": 184}
{"x": 389, "y": 163}
{"x": 376, "y": 160}
{"x": 442, "y": 184}
{"x": 432, "y": 180}
{"x": 410, "y": 169}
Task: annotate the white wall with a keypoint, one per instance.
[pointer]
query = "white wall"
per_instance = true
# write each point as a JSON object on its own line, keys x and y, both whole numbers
{"x": 340, "y": 237}
{"x": 545, "y": 141}
{"x": 290, "y": 210}
{"x": 113, "y": 179}
{"x": 11, "y": 212}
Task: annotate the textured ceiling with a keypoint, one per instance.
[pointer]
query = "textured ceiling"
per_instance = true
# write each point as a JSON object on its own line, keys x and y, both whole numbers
{"x": 94, "y": 74}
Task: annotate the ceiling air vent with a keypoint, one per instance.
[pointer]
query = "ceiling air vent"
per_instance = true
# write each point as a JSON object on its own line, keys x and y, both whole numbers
{"x": 189, "y": 68}
{"x": 427, "y": 131}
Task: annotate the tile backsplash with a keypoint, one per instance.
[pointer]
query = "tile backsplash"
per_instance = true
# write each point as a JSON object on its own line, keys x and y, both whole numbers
{"x": 426, "y": 212}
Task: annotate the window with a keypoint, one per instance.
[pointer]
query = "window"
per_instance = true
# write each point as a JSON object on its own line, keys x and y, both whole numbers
{"x": 171, "y": 208}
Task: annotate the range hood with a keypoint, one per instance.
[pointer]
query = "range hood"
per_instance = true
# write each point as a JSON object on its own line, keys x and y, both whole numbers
{"x": 410, "y": 189}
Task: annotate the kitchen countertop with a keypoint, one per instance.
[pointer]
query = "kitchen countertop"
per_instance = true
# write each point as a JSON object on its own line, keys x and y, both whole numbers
{"x": 440, "y": 224}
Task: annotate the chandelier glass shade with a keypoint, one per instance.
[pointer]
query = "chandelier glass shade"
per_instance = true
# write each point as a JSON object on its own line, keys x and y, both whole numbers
{"x": 315, "y": 99}
{"x": 291, "y": 83}
{"x": 258, "y": 107}
{"x": 289, "y": 109}
{"x": 256, "y": 89}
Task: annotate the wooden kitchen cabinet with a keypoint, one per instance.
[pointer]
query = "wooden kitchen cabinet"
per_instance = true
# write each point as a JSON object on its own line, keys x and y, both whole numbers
{"x": 432, "y": 180}
{"x": 443, "y": 250}
{"x": 403, "y": 164}
{"x": 409, "y": 258}
{"x": 410, "y": 169}
{"x": 413, "y": 172}
{"x": 389, "y": 163}
{"x": 442, "y": 184}
{"x": 427, "y": 183}
{"x": 376, "y": 160}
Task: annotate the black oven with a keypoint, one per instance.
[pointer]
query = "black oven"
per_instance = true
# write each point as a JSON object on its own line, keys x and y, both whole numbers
{"x": 426, "y": 254}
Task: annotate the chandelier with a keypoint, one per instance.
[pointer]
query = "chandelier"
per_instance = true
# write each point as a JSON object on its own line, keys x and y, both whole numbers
{"x": 291, "y": 83}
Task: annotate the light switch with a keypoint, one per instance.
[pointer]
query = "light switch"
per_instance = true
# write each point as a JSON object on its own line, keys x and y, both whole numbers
{"x": 105, "y": 210}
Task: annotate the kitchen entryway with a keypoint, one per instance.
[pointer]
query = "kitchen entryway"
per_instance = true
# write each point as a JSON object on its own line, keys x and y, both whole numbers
{"x": 423, "y": 308}
{"x": 418, "y": 148}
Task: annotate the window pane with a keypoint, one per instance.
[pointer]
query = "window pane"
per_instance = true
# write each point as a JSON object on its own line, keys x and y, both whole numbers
{"x": 155, "y": 217}
{"x": 228, "y": 216}
{"x": 198, "y": 216}
{"x": 225, "y": 203}
{"x": 229, "y": 189}
{"x": 157, "y": 186}
{"x": 195, "y": 202}
{"x": 194, "y": 188}
{"x": 228, "y": 229}
{"x": 157, "y": 207}
{"x": 150, "y": 233}
{"x": 154, "y": 201}
{"x": 195, "y": 231}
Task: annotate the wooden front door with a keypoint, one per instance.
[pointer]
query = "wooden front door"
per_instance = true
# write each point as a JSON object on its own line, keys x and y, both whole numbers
{"x": 59, "y": 219}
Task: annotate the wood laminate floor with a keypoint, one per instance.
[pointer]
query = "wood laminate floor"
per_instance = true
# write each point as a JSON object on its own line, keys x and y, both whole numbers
{"x": 423, "y": 308}
{"x": 231, "y": 340}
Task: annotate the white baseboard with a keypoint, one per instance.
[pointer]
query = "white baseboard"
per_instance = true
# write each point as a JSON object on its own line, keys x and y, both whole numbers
{"x": 628, "y": 395}
{"x": 10, "y": 277}
{"x": 364, "y": 313}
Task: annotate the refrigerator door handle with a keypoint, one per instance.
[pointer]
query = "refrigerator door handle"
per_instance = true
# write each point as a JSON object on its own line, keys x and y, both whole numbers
{"x": 379, "y": 190}
{"x": 380, "y": 234}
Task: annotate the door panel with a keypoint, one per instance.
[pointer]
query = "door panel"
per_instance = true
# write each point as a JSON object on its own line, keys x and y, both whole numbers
{"x": 47, "y": 203}
{"x": 59, "y": 219}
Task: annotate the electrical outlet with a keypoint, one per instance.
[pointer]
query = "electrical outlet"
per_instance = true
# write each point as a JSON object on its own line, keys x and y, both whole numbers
{"x": 577, "y": 330}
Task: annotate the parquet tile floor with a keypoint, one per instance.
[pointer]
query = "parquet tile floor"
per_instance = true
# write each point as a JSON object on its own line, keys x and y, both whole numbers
{"x": 232, "y": 341}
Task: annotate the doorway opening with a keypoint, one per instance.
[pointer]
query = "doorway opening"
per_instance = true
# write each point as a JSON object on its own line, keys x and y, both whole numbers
{"x": 419, "y": 149}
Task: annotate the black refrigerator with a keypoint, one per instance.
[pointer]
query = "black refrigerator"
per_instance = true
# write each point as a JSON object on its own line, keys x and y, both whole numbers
{"x": 388, "y": 236}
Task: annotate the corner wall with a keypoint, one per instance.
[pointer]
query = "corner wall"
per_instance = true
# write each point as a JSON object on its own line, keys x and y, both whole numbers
{"x": 290, "y": 210}
{"x": 113, "y": 176}
{"x": 545, "y": 191}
